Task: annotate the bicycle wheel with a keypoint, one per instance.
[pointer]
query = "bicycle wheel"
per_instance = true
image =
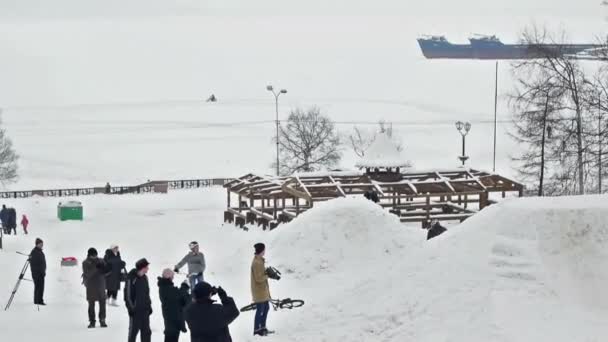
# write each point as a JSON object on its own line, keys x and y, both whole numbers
{"x": 249, "y": 307}
{"x": 291, "y": 303}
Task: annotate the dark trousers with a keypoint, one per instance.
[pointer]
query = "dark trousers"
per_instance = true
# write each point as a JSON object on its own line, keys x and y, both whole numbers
{"x": 261, "y": 314}
{"x": 172, "y": 337}
{"x": 38, "y": 289}
{"x": 140, "y": 323}
{"x": 102, "y": 310}
{"x": 112, "y": 294}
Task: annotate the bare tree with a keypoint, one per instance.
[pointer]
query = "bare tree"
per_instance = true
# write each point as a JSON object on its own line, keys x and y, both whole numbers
{"x": 565, "y": 74}
{"x": 8, "y": 159}
{"x": 309, "y": 142}
{"x": 360, "y": 140}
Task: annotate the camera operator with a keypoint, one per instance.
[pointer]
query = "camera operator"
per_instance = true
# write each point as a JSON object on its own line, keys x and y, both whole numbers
{"x": 208, "y": 321}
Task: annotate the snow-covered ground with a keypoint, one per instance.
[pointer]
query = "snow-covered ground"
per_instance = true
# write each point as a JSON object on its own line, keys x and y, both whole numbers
{"x": 523, "y": 270}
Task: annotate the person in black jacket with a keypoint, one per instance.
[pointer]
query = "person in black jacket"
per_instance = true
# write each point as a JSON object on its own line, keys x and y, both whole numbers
{"x": 435, "y": 230}
{"x": 38, "y": 268}
{"x": 138, "y": 302}
{"x": 11, "y": 220}
{"x": 115, "y": 272}
{"x": 173, "y": 301}
{"x": 4, "y": 219}
{"x": 207, "y": 321}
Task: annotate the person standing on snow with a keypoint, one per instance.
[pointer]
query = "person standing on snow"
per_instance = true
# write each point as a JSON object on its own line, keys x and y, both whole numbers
{"x": 196, "y": 264}
{"x": 114, "y": 273}
{"x": 260, "y": 290}
{"x": 173, "y": 301}
{"x": 24, "y": 223}
{"x": 138, "y": 302}
{"x": 38, "y": 269}
{"x": 93, "y": 278}
{"x": 4, "y": 219}
{"x": 208, "y": 321}
{"x": 12, "y": 220}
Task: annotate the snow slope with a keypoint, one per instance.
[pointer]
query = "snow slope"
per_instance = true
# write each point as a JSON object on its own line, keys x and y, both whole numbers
{"x": 522, "y": 270}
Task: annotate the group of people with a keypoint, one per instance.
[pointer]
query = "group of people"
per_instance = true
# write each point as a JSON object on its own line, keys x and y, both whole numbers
{"x": 8, "y": 218}
{"x": 189, "y": 306}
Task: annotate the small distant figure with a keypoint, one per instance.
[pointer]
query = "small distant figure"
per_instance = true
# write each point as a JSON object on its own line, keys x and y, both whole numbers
{"x": 108, "y": 189}
{"x": 372, "y": 195}
{"x": 24, "y": 223}
{"x": 212, "y": 98}
{"x": 435, "y": 230}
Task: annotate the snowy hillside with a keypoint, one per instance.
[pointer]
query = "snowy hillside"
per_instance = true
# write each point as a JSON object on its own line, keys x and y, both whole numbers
{"x": 523, "y": 270}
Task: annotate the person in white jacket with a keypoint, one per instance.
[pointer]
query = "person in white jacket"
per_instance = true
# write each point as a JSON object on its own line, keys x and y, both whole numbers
{"x": 195, "y": 260}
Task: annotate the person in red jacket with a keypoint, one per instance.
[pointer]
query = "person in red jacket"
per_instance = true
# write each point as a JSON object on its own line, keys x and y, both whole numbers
{"x": 24, "y": 223}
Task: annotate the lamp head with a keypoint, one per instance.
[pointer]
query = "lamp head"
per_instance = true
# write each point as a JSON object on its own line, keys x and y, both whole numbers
{"x": 459, "y": 125}
{"x": 467, "y": 127}
{"x": 269, "y": 88}
{"x": 283, "y": 91}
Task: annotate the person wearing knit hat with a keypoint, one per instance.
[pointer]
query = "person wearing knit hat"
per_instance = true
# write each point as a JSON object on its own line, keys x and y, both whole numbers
{"x": 38, "y": 269}
{"x": 195, "y": 260}
{"x": 260, "y": 290}
{"x": 138, "y": 302}
{"x": 207, "y": 320}
{"x": 94, "y": 279}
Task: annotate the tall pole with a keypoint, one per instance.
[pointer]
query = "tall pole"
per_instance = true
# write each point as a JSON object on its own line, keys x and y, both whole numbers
{"x": 599, "y": 137}
{"x": 463, "y": 143}
{"x": 276, "y": 102}
{"x": 495, "y": 112}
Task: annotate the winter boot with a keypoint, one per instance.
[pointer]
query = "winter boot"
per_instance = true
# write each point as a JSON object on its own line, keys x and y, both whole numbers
{"x": 268, "y": 332}
{"x": 91, "y": 325}
{"x": 103, "y": 324}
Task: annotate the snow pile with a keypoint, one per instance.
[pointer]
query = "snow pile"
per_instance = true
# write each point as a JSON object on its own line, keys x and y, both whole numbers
{"x": 336, "y": 235}
{"x": 383, "y": 153}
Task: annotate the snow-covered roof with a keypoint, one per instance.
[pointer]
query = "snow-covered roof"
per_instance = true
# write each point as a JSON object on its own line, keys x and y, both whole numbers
{"x": 383, "y": 153}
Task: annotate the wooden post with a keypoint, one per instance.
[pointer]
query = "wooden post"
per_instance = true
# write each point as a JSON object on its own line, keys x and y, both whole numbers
{"x": 240, "y": 200}
{"x": 283, "y": 200}
{"x": 275, "y": 208}
{"x": 297, "y": 202}
{"x": 228, "y": 197}
{"x": 441, "y": 198}
{"x": 263, "y": 204}
{"x": 251, "y": 201}
{"x": 483, "y": 200}
{"x": 504, "y": 194}
{"x": 394, "y": 200}
{"x": 459, "y": 200}
{"x": 428, "y": 208}
{"x": 466, "y": 201}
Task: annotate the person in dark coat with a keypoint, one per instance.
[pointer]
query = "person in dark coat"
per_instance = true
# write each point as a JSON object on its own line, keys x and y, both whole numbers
{"x": 12, "y": 220}
{"x": 435, "y": 230}
{"x": 115, "y": 272}
{"x": 138, "y": 302}
{"x": 38, "y": 268}
{"x": 93, "y": 278}
{"x": 3, "y": 219}
{"x": 208, "y": 321}
{"x": 173, "y": 301}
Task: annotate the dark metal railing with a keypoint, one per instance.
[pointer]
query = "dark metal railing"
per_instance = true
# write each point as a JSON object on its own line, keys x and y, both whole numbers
{"x": 149, "y": 187}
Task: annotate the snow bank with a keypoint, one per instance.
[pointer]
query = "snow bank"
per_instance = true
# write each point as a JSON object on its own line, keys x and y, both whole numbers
{"x": 338, "y": 234}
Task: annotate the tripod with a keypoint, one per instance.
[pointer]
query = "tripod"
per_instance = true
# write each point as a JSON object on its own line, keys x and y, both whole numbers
{"x": 21, "y": 277}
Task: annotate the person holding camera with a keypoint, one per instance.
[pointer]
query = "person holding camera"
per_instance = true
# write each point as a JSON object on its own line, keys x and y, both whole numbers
{"x": 173, "y": 301}
{"x": 260, "y": 290}
{"x": 93, "y": 278}
{"x": 195, "y": 260}
{"x": 208, "y": 321}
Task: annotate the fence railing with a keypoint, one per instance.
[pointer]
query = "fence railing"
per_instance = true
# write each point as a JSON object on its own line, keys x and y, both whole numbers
{"x": 148, "y": 187}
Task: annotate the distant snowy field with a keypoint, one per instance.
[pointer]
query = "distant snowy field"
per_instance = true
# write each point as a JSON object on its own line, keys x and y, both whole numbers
{"x": 523, "y": 270}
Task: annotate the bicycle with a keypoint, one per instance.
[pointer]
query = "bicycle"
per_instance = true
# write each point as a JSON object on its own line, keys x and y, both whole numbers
{"x": 286, "y": 303}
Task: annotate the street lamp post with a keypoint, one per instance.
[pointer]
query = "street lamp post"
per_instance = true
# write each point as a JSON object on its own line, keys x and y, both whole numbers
{"x": 463, "y": 128}
{"x": 276, "y": 103}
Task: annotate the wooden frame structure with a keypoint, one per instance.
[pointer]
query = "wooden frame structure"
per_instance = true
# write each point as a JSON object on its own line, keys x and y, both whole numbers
{"x": 414, "y": 196}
